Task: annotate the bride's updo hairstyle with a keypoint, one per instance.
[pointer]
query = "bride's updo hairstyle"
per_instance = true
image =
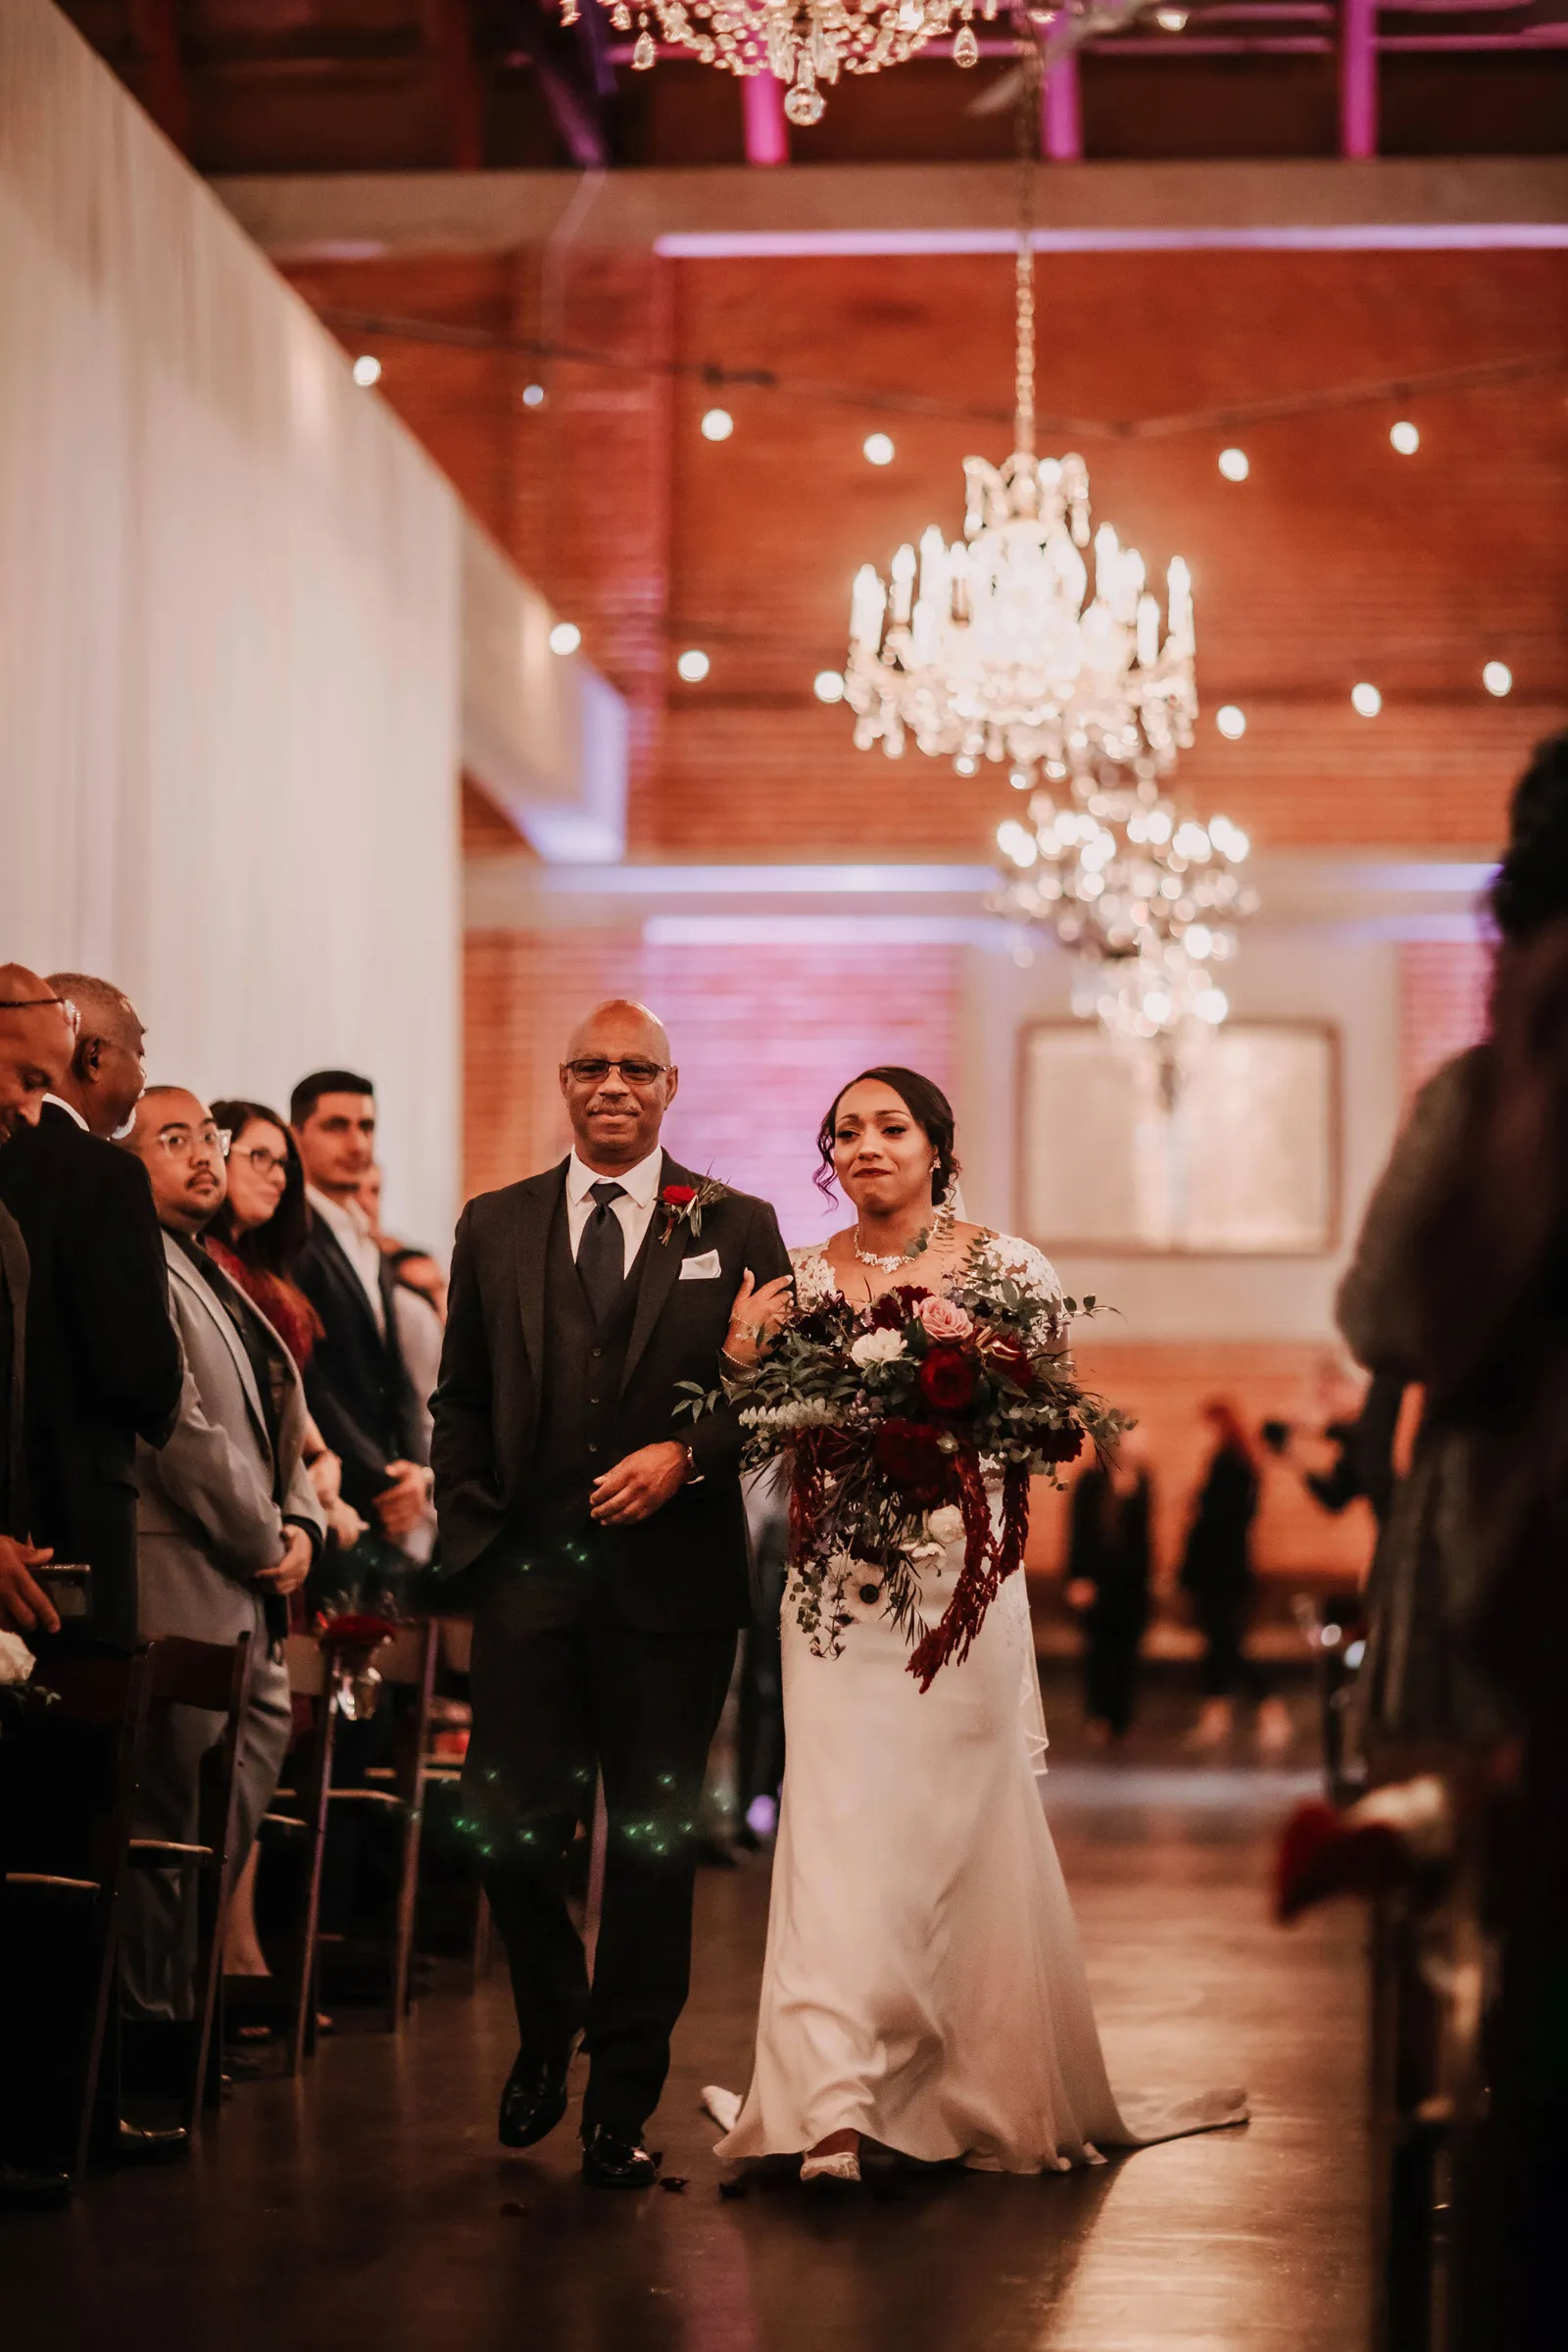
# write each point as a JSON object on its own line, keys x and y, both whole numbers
{"x": 928, "y": 1105}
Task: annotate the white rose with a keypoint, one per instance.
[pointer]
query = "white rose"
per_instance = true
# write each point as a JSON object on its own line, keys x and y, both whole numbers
{"x": 878, "y": 1348}
{"x": 15, "y": 1658}
{"x": 945, "y": 1523}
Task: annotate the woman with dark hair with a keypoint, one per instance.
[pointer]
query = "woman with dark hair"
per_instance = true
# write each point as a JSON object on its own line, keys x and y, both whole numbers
{"x": 1219, "y": 1578}
{"x": 923, "y": 1987}
{"x": 257, "y": 1236}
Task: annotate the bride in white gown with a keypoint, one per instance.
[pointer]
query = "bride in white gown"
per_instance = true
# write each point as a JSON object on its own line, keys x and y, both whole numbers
{"x": 923, "y": 1987}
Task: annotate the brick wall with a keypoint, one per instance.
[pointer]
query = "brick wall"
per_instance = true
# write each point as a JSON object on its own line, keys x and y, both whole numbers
{"x": 762, "y": 1037}
{"x": 1443, "y": 1005}
{"x": 1336, "y": 561}
{"x": 1164, "y": 1387}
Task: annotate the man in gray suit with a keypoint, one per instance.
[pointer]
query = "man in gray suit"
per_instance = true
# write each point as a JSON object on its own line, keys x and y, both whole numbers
{"x": 227, "y": 1526}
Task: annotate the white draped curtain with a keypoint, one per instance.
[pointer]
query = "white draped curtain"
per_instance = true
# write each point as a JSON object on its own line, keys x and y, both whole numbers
{"x": 230, "y": 637}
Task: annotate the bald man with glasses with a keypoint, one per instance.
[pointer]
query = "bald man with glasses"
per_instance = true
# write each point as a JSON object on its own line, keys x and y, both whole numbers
{"x": 102, "y": 1361}
{"x": 604, "y": 1539}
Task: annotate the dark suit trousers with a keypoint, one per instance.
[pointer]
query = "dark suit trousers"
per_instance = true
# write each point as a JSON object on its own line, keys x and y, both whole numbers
{"x": 550, "y": 1709}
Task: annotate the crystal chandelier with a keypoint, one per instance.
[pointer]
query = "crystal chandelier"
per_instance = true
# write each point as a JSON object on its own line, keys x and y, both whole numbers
{"x": 998, "y": 648}
{"x": 1147, "y": 899}
{"x": 802, "y": 43}
{"x": 1002, "y": 647}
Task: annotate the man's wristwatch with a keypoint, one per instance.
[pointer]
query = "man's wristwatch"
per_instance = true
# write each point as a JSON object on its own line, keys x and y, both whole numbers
{"x": 694, "y": 1477}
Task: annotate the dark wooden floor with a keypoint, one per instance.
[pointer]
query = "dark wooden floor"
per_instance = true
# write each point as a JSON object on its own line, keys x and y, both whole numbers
{"x": 370, "y": 2206}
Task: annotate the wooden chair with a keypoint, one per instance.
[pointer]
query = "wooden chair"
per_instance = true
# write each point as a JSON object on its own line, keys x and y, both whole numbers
{"x": 212, "y": 1677}
{"x": 299, "y": 1817}
{"x": 405, "y": 1663}
{"x": 68, "y": 1780}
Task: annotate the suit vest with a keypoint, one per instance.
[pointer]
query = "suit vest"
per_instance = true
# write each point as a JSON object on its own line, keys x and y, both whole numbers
{"x": 579, "y": 1402}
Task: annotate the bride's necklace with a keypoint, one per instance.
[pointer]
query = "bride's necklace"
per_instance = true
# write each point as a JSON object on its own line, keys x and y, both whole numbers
{"x": 897, "y": 1258}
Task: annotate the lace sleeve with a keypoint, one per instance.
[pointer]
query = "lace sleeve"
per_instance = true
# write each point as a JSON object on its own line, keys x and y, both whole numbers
{"x": 1032, "y": 1269}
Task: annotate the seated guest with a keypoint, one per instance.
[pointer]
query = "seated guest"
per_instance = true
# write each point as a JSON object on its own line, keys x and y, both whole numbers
{"x": 103, "y": 1362}
{"x": 228, "y": 1526}
{"x": 356, "y": 1380}
{"x": 36, "y": 1042}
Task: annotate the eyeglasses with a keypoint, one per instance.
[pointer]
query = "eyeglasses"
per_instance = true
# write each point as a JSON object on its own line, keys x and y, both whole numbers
{"x": 636, "y": 1072}
{"x": 206, "y": 1142}
{"x": 261, "y": 1161}
{"x": 35, "y": 1004}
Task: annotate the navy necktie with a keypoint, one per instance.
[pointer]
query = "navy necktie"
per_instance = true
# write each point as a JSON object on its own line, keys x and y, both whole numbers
{"x": 602, "y": 1250}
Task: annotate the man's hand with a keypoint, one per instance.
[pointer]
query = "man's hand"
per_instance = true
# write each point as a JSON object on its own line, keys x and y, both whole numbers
{"x": 293, "y": 1568}
{"x": 25, "y": 1605}
{"x": 636, "y": 1487}
{"x": 403, "y": 1504}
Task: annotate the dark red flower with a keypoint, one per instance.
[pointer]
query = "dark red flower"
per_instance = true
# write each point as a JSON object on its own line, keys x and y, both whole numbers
{"x": 678, "y": 1195}
{"x": 1008, "y": 1359}
{"x": 1059, "y": 1445}
{"x": 353, "y": 1631}
{"x": 907, "y": 1452}
{"x": 897, "y": 1306}
{"x": 947, "y": 1380}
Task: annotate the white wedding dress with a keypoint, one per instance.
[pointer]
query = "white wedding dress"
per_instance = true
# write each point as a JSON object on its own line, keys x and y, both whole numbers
{"x": 923, "y": 1983}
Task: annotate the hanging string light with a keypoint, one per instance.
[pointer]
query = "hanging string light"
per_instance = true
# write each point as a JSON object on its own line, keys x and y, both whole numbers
{"x": 803, "y": 43}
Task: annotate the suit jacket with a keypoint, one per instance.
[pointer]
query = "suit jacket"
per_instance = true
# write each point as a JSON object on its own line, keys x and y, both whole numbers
{"x": 103, "y": 1362}
{"x": 213, "y": 1502}
{"x": 356, "y": 1382}
{"x": 12, "y": 1355}
{"x": 683, "y": 1568}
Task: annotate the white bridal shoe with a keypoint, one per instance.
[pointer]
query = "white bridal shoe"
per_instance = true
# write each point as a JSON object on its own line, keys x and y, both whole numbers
{"x": 844, "y": 2164}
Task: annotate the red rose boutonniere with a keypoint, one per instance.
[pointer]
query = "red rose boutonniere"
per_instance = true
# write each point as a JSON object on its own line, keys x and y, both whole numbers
{"x": 684, "y": 1204}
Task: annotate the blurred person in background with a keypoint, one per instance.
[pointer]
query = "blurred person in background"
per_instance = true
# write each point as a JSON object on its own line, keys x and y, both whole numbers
{"x": 257, "y": 1236}
{"x": 228, "y": 1526}
{"x": 103, "y": 1362}
{"x": 1108, "y": 1565}
{"x": 1459, "y": 1282}
{"x": 1219, "y": 1580}
{"x": 37, "y": 1038}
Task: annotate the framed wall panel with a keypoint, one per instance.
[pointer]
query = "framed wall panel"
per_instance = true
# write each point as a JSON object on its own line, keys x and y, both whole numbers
{"x": 1241, "y": 1160}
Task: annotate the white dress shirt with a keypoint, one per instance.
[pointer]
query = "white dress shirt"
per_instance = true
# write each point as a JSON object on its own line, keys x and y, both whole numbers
{"x": 359, "y": 1246}
{"x": 70, "y": 1111}
{"x": 633, "y": 1210}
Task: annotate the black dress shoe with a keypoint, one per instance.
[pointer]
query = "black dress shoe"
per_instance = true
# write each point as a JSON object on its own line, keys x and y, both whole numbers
{"x": 614, "y": 2160}
{"x": 534, "y": 2099}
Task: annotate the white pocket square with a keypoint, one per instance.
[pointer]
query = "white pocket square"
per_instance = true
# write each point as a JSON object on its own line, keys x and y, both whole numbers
{"x": 701, "y": 1269}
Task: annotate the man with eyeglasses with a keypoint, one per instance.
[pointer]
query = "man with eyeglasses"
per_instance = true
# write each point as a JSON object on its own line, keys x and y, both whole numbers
{"x": 36, "y": 1036}
{"x": 102, "y": 1361}
{"x": 603, "y": 1542}
{"x": 228, "y": 1526}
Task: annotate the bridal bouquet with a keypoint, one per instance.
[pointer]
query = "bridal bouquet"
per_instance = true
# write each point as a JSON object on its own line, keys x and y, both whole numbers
{"x": 896, "y": 1419}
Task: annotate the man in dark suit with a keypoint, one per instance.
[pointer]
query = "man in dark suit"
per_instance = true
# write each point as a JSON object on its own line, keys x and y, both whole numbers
{"x": 605, "y": 1541}
{"x": 103, "y": 1362}
{"x": 355, "y": 1382}
{"x": 36, "y": 1042}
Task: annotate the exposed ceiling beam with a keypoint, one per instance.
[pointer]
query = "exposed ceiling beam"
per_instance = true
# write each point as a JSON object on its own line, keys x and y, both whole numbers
{"x": 163, "y": 89}
{"x": 897, "y": 208}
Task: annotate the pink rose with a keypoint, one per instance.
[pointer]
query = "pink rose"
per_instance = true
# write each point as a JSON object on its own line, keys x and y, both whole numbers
{"x": 944, "y": 1321}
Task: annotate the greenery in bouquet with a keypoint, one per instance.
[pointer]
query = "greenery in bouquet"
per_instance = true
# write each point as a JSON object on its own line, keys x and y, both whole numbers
{"x": 897, "y": 1421}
